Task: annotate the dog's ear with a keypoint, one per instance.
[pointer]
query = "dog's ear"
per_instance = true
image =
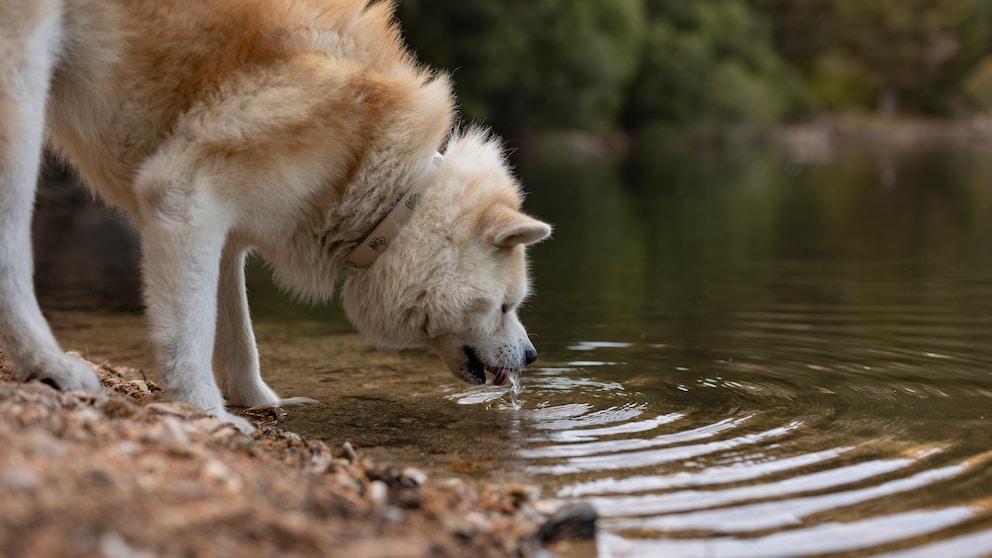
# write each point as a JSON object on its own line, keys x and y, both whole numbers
{"x": 512, "y": 227}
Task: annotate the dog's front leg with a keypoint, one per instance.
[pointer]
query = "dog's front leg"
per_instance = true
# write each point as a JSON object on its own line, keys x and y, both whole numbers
{"x": 183, "y": 229}
{"x": 235, "y": 353}
{"x": 27, "y": 52}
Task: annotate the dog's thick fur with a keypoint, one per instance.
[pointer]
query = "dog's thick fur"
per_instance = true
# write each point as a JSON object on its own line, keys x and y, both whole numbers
{"x": 288, "y": 127}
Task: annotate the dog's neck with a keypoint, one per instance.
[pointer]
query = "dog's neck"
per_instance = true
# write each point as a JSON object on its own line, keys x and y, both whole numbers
{"x": 382, "y": 235}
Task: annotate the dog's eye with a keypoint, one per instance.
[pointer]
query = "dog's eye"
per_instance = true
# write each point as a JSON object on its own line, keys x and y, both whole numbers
{"x": 479, "y": 307}
{"x": 505, "y": 308}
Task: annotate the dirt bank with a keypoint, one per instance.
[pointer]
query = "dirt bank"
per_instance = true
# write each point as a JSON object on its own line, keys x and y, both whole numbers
{"x": 132, "y": 474}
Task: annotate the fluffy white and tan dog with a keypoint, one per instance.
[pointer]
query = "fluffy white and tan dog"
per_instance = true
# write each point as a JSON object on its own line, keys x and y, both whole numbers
{"x": 300, "y": 129}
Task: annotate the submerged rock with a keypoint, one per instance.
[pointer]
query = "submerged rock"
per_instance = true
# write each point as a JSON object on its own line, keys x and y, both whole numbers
{"x": 571, "y": 522}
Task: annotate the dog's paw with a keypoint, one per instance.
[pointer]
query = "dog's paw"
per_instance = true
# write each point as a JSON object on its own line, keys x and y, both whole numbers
{"x": 63, "y": 372}
{"x": 256, "y": 394}
{"x": 240, "y": 423}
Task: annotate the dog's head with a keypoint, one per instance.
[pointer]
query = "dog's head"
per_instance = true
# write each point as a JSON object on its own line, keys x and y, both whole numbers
{"x": 456, "y": 275}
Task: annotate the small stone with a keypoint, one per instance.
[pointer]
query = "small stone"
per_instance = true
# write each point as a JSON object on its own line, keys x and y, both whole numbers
{"x": 574, "y": 521}
{"x": 18, "y": 479}
{"x": 141, "y": 386}
{"x": 349, "y": 452}
{"x": 412, "y": 477}
{"x": 112, "y": 545}
{"x": 378, "y": 494}
{"x": 347, "y": 481}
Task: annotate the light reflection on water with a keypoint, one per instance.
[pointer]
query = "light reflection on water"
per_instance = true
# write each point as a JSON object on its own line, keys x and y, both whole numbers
{"x": 736, "y": 359}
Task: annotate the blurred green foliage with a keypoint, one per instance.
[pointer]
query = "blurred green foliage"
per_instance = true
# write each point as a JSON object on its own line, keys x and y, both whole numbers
{"x": 532, "y": 63}
{"x": 893, "y": 56}
{"x": 703, "y": 66}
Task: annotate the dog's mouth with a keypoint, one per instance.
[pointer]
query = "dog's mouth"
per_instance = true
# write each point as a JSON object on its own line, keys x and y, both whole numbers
{"x": 477, "y": 370}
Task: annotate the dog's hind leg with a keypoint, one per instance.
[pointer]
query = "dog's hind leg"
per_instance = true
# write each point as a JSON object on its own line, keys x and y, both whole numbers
{"x": 235, "y": 353}
{"x": 27, "y": 54}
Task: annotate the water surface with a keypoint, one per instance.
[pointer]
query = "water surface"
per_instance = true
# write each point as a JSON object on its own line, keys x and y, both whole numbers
{"x": 752, "y": 357}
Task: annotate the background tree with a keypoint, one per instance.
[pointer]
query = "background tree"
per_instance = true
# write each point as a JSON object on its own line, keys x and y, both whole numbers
{"x": 532, "y": 63}
{"x": 706, "y": 66}
{"x": 898, "y": 55}
{"x": 703, "y": 67}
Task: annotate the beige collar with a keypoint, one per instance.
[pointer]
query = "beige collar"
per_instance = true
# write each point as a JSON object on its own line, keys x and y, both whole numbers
{"x": 378, "y": 240}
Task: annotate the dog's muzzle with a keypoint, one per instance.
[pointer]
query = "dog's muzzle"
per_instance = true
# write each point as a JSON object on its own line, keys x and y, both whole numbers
{"x": 476, "y": 370}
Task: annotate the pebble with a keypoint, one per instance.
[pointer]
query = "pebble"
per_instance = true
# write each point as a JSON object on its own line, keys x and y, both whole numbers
{"x": 349, "y": 451}
{"x": 378, "y": 494}
{"x": 347, "y": 481}
{"x": 574, "y": 521}
{"x": 19, "y": 479}
{"x": 412, "y": 477}
{"x": 141, "y": 386}
{"x": 112, "y": 545}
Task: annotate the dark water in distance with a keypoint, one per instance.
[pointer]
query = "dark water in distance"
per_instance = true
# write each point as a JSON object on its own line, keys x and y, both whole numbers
{"x": 741, "y": 355}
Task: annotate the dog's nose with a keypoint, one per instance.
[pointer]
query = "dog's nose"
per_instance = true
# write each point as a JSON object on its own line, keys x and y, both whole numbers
{"x": 530, "y": 355}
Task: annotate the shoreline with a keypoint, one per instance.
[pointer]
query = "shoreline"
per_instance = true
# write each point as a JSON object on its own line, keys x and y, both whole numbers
{"x": 835, "y": 132}
{"x": 129, "y": 473}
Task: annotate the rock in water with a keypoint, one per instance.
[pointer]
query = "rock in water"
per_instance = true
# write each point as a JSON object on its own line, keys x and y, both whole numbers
{"x": 575, "y": 521}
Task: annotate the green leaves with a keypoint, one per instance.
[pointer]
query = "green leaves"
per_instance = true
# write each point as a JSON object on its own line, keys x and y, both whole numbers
{"x": 702, "y": 67}
{"x": 910, "y": 56}
{"x": 707, "y": 66}
{"x": 532, "y": 63}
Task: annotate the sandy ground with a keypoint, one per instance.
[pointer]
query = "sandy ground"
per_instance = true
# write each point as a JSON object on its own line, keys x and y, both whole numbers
{"x": 131, "y": 474}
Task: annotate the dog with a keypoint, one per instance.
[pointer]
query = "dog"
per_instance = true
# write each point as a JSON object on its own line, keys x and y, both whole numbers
{"x": 302, "y": 130}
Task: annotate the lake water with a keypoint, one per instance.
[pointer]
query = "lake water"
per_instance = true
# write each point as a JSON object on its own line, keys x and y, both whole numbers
{"x": 745, "y": 356}
{"x": 741, "y": 355}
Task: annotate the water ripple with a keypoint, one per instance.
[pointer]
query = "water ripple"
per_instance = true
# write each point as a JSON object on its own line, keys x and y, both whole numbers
{"x": 614, "y": 447}
{"x": 762, "y": 516}
{"x": 834, "y": 537}
{"x": 748, "y": 470}
{"x": 585, "y": 434}
{"x": 655, "y": 504}
{"x": 655, "y": 457}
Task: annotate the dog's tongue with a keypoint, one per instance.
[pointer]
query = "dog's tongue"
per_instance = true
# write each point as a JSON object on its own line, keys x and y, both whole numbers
{"x": 502, "y": 374}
